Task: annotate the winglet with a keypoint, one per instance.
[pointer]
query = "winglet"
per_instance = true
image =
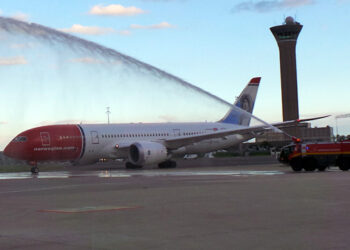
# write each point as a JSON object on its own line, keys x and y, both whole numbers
{"x": 312, "y": 119}
{"x": 255, "y": 81}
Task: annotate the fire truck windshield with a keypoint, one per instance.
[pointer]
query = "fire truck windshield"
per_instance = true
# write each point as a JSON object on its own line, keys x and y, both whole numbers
{"x": 285, "y": 152}
{"x": 288, "y": 149}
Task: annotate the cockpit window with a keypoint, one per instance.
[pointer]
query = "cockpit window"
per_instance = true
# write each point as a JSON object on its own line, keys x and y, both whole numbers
{"x": 288, "y": 149}
{"x": 20, "y": 139}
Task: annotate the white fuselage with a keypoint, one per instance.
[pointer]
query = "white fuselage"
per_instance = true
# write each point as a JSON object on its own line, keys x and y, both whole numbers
{"x": 107, "y": 140}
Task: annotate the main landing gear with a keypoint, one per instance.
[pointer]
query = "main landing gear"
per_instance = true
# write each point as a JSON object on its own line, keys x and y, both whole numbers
{"x": 167, "y": 164}
{"x": 164, "y": 164}
{"x": 129, "y": 165}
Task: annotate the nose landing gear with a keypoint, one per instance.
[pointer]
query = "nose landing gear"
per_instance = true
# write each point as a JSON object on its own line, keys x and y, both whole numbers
{"x": 34, "y": 169}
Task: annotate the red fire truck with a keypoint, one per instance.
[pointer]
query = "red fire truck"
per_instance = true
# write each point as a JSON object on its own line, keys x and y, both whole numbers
{"x": 312, "y": 156}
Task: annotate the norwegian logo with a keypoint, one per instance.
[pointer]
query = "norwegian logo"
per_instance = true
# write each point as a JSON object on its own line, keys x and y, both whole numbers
{"x": 45, "y": 138}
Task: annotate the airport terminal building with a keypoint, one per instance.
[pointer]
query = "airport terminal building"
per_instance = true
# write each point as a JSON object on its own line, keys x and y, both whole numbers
{"x": 302, "y": 131}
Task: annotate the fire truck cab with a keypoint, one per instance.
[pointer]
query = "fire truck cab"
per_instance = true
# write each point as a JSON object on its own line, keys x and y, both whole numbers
{"x": 312, "y": 156}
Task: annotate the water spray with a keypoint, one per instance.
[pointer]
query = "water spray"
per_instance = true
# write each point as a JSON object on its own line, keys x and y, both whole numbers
{"x": 52, "y": 37}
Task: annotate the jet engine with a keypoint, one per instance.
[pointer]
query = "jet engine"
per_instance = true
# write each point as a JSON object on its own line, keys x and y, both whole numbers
{"x": 143, "y": 153}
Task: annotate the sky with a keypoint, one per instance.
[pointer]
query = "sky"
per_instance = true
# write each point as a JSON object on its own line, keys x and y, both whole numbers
{"x": 217, "y": 46}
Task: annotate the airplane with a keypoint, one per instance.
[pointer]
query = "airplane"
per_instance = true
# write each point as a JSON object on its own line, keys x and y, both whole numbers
{"x": 140, "y": 144}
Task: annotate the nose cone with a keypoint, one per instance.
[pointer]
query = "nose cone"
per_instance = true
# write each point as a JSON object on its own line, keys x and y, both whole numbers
{"x": 17, "y": 148}
{"x": 47, "y": 143}
{"x": 8, "y": 151}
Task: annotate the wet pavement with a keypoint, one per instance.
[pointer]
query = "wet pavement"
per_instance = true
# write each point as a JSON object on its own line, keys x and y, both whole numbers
{"x": 128, "y": 174}
{"x": 261, "y": 206}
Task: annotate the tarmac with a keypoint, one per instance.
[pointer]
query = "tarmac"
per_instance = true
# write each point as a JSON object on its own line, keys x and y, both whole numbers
{"x": 195, "y": 206}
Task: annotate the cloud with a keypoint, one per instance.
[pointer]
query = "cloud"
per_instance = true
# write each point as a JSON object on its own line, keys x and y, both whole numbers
{"x": 20, "y": 16}
{"x": 12, "y": 61}
{"x": 88, "y": 30}
{"x": 124, "y": 32}
{"x": 162, "y": 25}
{"x": 270, "y": 5}
{"x": 115, "y": 10}
{"x": 88, "y": 60}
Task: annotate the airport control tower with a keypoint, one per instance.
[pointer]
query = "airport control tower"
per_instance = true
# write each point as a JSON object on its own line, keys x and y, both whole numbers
{"x": 286, "y": 36}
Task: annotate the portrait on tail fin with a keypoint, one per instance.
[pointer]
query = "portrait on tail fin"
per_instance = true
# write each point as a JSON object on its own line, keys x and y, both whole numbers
{"x": 244, "y": 101}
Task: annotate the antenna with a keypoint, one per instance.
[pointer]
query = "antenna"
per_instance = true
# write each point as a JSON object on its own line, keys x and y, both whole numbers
{"x": 108, "y": 112}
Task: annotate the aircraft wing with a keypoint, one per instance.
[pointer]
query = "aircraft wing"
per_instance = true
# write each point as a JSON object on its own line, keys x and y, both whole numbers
{"x": 185, "y": 140}
{"x": 253, "y": 131}
{"x": 287, "y": 124}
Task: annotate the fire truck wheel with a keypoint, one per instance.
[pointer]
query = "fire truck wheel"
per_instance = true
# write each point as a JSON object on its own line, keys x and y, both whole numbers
{"x": 296, "y": 168}
{"x": 344, "y": 164}
{"x": 321, "y": 168}
{"x": 309, "y": 164}
{"x": 343, "y": 167}
{"x": 296, "y": 164}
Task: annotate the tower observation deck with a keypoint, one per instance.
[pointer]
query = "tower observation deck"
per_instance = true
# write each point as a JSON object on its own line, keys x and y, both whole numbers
{"x": 286, "y": 36}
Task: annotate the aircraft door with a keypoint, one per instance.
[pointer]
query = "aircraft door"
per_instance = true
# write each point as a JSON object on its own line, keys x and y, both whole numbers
{"x": 94, "y": 137}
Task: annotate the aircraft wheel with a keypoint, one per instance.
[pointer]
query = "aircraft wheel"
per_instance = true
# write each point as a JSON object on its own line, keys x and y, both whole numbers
{"x": 167, "y": 164}
{"x": 34, "y": 170}
{"x": 129, "y": 165}
{"x": 173, "y": 164}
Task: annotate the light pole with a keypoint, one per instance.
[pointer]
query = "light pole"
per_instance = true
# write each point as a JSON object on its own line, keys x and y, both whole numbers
{"x": 108, "y": 112}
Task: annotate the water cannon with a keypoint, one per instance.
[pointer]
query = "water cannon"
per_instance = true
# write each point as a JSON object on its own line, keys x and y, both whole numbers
{"x": 296, "y": 140}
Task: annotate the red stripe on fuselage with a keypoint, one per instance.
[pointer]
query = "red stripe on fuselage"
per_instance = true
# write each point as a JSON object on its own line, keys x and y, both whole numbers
{"x": 47, "y": 143}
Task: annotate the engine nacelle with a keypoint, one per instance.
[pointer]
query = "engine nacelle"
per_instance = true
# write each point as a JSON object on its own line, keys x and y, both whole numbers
{"x": 143, "y": 153}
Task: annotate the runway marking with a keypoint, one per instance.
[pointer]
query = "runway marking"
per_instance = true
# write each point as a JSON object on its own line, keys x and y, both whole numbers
{"x": 87, "y": 209}
{"x": 128, "y": 174}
